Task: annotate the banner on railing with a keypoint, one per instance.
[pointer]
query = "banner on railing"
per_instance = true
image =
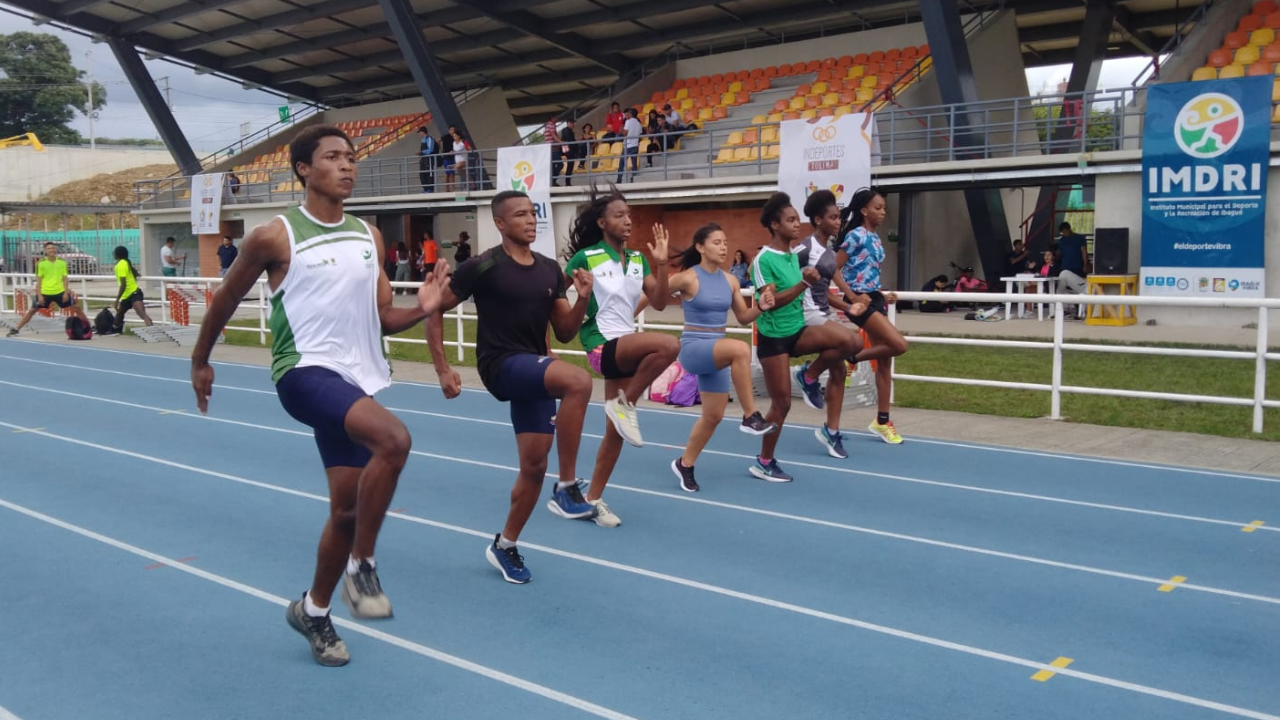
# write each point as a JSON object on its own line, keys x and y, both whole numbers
{"x": 1205, "y": 151}
{"x": 527, "y": 168}
{"x": 206, "y": 203}
{"x": 828, "y": 153}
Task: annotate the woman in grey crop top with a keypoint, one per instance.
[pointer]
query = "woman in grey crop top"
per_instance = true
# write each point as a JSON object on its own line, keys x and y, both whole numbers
{"x": 708, "y": 292}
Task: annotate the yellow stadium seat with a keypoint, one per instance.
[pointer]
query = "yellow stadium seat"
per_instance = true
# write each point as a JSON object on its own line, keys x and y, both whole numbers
{"x": 864, "y": 94}
{"x": 1231, "y": 71}
{"x": 682, "y": 93}
{"x": 735, "y": 138}
{"x": 809, "y": 114}
{"x": 735, "y": 87}
{"x": 1204, "y": 73}
{"x": 647, "y": 107}
{"x": 830, "y": 100}
{"x": 1275, "y": 90}
{"x": 705, "y": 114}
{"x": 870, "y": 81}
{"x": 774, "y": 117}
{"x": 727, "y": 98}
{"x": 818, "y": 88}
{"x": 1247, "y": 55}
{"x": 797, "y": 103}
{"x": 856, "y": 71}
{"x": 1275, "y": 114}
{"x": 769, "y": 134}
{"x": 842, "y": 110}
{"x": 725, "y": 156}
{"x": 746, "y": 154}
{"x": 1262, "y": 37}
{"x": 758, "y": 120}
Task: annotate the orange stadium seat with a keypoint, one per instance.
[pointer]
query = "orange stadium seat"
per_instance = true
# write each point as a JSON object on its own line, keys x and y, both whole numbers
{"x": 1271, "y": 53}
{"x": 772, "y": 72}
{"x": 892, "y": 55}
{"x": 876, "y": 56}
{"x": 1261, "y": 68}
{"x": 1235, "y": 40}
{"x": 1272, "y": 20}
{"x": 1262, "y": 7}
{"x": 1249, "y": 23}
{"x": 1219, "y": 58}
{"x": 813, "y": 66}
{"x": 844, "y": 61}
{"x": 860, "y": 59}
{"x": 910, "y": 52}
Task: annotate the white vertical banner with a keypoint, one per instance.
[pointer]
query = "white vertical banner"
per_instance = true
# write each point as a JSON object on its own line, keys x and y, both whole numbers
{"x": 527, "y": 168}
{"x": 206, "y": 203}
{"x": 828, "y": 153}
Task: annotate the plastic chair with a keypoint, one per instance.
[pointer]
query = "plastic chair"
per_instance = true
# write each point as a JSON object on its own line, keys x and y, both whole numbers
{"x": 1231, "y": 71}
{"x": 1262, "y": 37}
{"x": 1262, "y": 7}
{"x": 1249, "y": 23}
{"x": 1235, "y": 40}
{"x": 1204, "y": 73}
{"x": 1219, "y": 58}
{"x": 1247, "y": 55}
{"x": 1261, "y": 68}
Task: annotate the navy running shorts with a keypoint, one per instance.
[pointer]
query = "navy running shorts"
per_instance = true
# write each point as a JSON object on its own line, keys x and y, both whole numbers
{"x": 520, "y": 382}
{"x": 320, "y": 398}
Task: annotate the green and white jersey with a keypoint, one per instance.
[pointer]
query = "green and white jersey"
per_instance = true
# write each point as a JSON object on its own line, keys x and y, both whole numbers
{"x": 325, "y": 312}
{"x": 619, "y": 282}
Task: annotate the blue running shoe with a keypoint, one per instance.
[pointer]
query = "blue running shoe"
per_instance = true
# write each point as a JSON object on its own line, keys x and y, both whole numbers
{"x": 509, "y": 562}
{"x": 833, "y": 442}
{"x": 769, "y": 473}
{"x": 569, "y": 503}
{"x": 812, "y": 391}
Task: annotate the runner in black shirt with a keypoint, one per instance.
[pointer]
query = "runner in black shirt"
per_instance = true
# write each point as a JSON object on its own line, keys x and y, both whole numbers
{"x": 518, "y": 293}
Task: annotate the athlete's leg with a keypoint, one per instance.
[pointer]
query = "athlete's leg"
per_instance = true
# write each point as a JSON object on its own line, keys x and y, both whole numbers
{"x": 382, "y": 433}
{"x": 610, "y": 447}
{"x": 31, "y": 312}
{"x": 572, "y": 386}
{"x": 777, "y": 381}
{"x": 736, "y": 355}
{"x": 713, "y": 405}
{"x": 140, "y": 307}
{"x": 832, "y": 343}
{"x": 887, "y": 343}
{"x": 339, "y": 532}
{"x": 643, "y": 357}
{"x": 533, "y": 449}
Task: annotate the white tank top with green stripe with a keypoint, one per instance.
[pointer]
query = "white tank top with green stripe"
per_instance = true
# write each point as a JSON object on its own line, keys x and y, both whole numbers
{"x": 325, "y": 311}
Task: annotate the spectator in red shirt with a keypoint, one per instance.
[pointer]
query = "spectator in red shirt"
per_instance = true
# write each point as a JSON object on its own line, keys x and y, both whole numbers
{"x": 614, "y": 121}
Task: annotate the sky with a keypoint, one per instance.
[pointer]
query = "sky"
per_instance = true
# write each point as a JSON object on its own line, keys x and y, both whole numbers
{"x": 211, "y": 111}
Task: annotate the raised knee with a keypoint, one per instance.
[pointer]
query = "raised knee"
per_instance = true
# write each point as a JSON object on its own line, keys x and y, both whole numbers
{"x": 396, "y": 444}
{"x": 670, "y": 347}
{"x": 899, "y": 345}
{"x": 580, "y": 384}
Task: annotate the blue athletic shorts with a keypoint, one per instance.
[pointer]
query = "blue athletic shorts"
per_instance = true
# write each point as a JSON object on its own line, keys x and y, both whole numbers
{"x": 320, "y": 398}
{"x": 520, "y": 382}
{"x": 697, "y": 357}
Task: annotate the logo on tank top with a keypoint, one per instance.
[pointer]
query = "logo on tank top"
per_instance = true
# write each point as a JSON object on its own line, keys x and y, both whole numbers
{"x": 368, "y": 258}
{"x": 324, "y": 262}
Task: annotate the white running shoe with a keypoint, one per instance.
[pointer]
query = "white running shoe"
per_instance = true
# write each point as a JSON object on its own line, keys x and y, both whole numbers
{"x": 624, "y": 418}
{"x": 604, "y": 516}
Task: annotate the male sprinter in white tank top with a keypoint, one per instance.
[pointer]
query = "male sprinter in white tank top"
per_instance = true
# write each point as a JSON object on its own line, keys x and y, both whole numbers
{"x": 330, "y": 306}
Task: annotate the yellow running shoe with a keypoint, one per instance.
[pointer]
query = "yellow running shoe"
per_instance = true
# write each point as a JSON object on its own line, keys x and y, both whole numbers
{"x": 887, "y": 432}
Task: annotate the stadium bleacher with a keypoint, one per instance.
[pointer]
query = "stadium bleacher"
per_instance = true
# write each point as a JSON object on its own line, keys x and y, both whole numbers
{"x": 1251, "y": 49}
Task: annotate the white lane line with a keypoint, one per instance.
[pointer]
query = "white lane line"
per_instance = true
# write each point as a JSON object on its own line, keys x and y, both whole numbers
{"x": 633, "y": 570}
{"x": 691, "y": 417}
{"x": 423, "y": 650}
{"x": 742, "y": 508}
{"x": 722, "y": 453}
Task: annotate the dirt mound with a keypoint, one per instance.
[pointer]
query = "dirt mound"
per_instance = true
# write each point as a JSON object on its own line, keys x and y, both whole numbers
{"x": 116, "y": 187}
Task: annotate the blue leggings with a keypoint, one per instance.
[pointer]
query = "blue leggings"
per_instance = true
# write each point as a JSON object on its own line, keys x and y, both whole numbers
{"x": 697, "y": 357}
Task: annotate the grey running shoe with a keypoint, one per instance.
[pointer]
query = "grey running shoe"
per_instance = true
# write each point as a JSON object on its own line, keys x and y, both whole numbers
{"x": 685, "y": 475}
{"x": 326, "y": 647}
{"x": 363, "y": 594}
{"x": 625, "y": 419}
{"x": 12, "y": 332}
{"x": 757, "y": 425}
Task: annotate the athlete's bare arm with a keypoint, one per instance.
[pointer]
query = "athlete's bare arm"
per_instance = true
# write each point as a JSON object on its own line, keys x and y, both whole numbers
{"x": 265, "y": 249}
{"x": 655, "y": 286}
{"x": 450, "y": 382}
{"x": 567, "y": 319}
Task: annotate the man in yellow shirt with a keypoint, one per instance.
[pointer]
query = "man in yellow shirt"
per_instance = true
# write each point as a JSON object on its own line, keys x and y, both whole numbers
{"x": 51, "y": 272}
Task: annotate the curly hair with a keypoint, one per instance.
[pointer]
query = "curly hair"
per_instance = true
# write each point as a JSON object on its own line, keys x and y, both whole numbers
{"x": 586, "y": 226}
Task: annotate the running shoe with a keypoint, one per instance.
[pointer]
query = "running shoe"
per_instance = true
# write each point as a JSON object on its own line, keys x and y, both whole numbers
{"x": 685, "y": 475}
{"x": 769, "y": 473}
{"x": 833, "y": 442}
{"x": 812, "y": 391}
{"x": 363, "y": 594}
{"x": 509, "y": 562}
{"x": 569, "y": 503}
{"x": 757, "y": 425}
{"x": 326, "y": 647}
{"x": 887, "y": 432}
{"x": 604, "y": 516}
{"x": 624, "y": 418}
{"x": 13, "y": 332}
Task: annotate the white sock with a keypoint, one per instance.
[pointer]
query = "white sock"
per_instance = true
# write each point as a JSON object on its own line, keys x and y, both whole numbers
{"x": 311, "y": 609}
{"x": 563, "y": 485}
{"x": 353, "y": 565}
{"x": 504, "y": 543}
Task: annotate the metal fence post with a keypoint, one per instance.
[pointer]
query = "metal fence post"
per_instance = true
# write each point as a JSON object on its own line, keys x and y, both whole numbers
{"x": 1260, "y": 371}
{"x": 1055, "y": 404}
{"x": 457, "y": 314}
{"x": 164, "y": 301}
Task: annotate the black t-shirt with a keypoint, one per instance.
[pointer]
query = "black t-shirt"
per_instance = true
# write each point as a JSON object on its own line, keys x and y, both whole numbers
{"x": 513, "y": 302}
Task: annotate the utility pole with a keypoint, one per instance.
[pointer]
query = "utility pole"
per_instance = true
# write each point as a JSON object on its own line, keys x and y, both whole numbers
{"x": 167, "y": 100}
{"x": 89, "y": 111}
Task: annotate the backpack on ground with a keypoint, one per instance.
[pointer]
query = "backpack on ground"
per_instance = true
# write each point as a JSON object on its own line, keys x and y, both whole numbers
{"x": 685, "y": 392}
{"x": 78, "y": 329}
{"x": 104, "y": 321}
{"x": 661, "y": 387}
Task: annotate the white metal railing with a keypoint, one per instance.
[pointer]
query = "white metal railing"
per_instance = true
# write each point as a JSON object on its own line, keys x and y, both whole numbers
{"x": 1259, "y": 354}
{"x": 17, "y": 282}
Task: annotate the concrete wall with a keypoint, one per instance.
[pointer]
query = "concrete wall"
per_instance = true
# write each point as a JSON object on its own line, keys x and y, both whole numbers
{"x": 884, "y": 38}
{"x": 29, "y": 174}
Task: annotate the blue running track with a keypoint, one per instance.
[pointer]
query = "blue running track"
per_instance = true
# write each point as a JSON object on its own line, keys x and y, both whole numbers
{"x": 149, "y": 552}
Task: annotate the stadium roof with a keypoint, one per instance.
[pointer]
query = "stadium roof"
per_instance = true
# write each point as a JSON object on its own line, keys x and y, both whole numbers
{"x": 547, "y": 54}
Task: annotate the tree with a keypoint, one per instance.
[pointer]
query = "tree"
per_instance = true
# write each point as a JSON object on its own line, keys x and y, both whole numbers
{"x": 1100, "y": 135}
{"x": 41, "y": 90}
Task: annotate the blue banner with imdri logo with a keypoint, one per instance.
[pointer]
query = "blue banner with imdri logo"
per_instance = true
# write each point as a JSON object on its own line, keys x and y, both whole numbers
{"x": 1205, "y": 150}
